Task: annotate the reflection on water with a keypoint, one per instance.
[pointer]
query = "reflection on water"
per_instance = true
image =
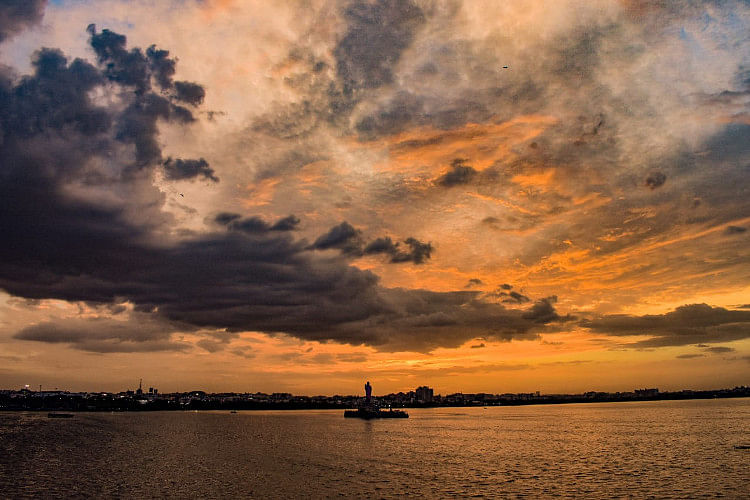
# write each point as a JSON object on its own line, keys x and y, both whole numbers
{"x": 679, "y": 449}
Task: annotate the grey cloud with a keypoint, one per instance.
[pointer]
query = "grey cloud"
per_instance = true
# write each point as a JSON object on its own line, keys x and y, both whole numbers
{"x": 688, "y": 324}
{"x": 392, "y": 118}
{"x": 243, "y": 352}
{"x": 245, "y": 275}
{"x": 189, "y": 92}
{"x": 352, "y": 357}
{"x": 16, "y": 15}
{"x": 138, "y": 70}
{"x": 459, "y": 173}
{"x": 418, "y": 251}
{"x": 105, "y": 335}
{"x": 514, "y": 297}
{"x": 287, "y": 223}
{"x": 543, "y": 311}
{"x": 211, "y": 345}
{"x": 690, "y": 356}
{"x": 478, "y": 346}
{"x": 378, "y": 33}
{"x": 344, "y": 237}
{"x": 655, "y": 180}
{"x": 255, "y": 224}
{"x": 225, "y": 218}
{"x": 735, "y": 229}
{"x": 349, "y": 240}
{"x": 180, "y": 169}
{"x": 719, "y": 350}
{"x": 474, "y": 282}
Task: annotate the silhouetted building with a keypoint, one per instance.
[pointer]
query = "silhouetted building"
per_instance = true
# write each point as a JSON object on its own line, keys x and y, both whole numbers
{"x": 646, "y": 392}
{"x": 424, "y": 394}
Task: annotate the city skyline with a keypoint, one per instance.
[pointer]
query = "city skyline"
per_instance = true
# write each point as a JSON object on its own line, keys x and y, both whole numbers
{"x": 297, "y": 197}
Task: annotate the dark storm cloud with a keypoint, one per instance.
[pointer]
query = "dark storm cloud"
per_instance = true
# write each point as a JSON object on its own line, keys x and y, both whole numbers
{"x": 180, "y": 169}
{"x": 288, "y": 223}
{"x": 255, "y": 224}
{"x": 349, "y": 240}
{"x": 189, "y": 92}
{"x": 141, "y": 71}
{"x": 343, "y": 237}
{"x": 418, "y": 252}
{"x": 655, "y": 180}
{"x": 60, "y": 242}
{"x": 543, "y": 311}
{"x": 378, "y": 33}
{"x": 459, "y": 173}
{"x": 688, "y": 324}
{"x": 16, "y": 15}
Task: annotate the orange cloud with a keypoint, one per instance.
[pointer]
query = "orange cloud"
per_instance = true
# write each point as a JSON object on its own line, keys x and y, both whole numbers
{"x": 429, "y": 150}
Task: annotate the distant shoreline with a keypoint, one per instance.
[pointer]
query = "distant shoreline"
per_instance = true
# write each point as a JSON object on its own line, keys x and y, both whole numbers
{"x": 197, "y": 400}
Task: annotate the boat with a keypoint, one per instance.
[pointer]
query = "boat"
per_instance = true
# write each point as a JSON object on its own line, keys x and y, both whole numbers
{"x": 368, "y": 414}
{"x": 370, "y": 410}
{"x": 59, "y": 415}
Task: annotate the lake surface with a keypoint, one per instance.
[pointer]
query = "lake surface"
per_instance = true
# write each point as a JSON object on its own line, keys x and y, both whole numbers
{"x": 661, "y": 449}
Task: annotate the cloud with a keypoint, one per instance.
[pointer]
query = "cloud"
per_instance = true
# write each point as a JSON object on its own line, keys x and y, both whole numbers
{"x": 459, "y": 173}
{"x": 180, "y": 169}
{"x": 288, "y": 223}
{"x": 16, "y": 15}
{"x": 688, "y": 324}
{"x": 418, "y": 251}
{"x": 343, "y": 237}
{"x": 82, "y": 220}
{"x": 349, "y": 240}
{"x": 474, "y": 282}
{"x": 352, "y": 357}
{"x": 655, "y": 180}
{"x": 735, "y": 229}
{"x": 543, "y": 311}
{"x": 690, "y": 356}
{"x": 478, "y": 346}
{"x": 255, "y": 224}
{"x": 719, "y": 350}
{"x": 591, "y": 104}
{"x": 140, "y": 333}
{"x": 189, "y": 92}
{"x": 378, "y": 33}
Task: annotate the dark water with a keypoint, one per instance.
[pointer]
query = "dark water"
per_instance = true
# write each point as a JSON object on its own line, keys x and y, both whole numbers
{"x": 661, "y": 449}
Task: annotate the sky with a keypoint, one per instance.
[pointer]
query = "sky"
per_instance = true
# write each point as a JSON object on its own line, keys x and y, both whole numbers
{"x": 478, "y": 196}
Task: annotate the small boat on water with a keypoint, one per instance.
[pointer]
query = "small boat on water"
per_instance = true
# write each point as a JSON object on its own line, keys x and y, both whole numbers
{"x": 59, "y": 415}
{"x": 369, "y": 410}
{"x": 368, "y": 414}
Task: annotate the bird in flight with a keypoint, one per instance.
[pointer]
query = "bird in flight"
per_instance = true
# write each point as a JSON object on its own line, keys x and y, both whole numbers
{"x": 182, "y": 195}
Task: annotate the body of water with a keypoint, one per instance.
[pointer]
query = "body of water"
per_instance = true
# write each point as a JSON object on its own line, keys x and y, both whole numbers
{"x": 661, "y": 449}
